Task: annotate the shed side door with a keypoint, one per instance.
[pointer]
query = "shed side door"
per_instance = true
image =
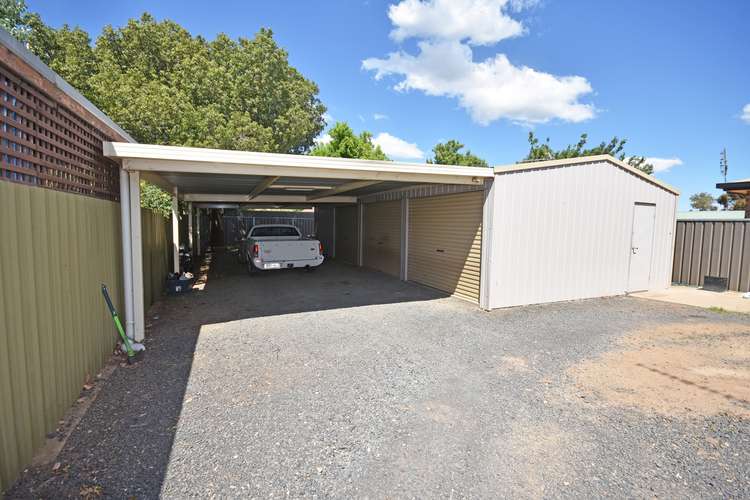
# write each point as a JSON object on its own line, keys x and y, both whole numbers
{"x": 641, "y": 247}
{"x": 445, "y": 243}
{"x": 382, "y": 236}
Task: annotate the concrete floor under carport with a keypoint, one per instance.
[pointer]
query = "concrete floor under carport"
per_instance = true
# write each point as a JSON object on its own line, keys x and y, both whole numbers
{"x": 344, "y": 382}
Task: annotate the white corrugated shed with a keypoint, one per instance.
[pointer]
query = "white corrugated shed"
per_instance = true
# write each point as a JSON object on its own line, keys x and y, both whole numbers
{"x": 562, "y": 231}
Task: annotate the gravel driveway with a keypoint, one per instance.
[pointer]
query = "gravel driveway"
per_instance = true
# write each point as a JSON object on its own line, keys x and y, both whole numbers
{"x": 348, "y": 383}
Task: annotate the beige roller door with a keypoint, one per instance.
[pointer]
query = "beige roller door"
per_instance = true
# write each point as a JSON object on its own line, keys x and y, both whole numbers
{"x": 445, "y": 243}
{"x": 346, "y": 234}
{"x": 382, "y": 235}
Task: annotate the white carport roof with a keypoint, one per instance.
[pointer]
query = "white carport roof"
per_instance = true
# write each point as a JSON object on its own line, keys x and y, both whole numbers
{"x": 214, "y": 175}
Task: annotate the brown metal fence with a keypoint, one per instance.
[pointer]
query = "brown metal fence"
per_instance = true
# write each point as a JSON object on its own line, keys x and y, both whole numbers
{"x": 712, "y": 248}
{"x": 55, "y": 251}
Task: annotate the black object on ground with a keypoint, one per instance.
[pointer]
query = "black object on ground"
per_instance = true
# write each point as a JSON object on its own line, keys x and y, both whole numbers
{"x": 715, "y": 284}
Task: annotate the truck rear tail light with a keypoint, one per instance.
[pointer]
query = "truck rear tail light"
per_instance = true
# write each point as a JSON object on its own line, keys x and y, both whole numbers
{"x": 320, "y": 248}
{"x": 256, "y": 250}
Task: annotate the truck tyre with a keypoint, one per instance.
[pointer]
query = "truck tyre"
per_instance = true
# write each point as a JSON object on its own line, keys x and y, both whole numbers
{"x": 250, "y": 267}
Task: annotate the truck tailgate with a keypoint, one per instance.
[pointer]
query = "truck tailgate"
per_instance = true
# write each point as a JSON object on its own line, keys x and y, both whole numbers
{"x": 275, "y": 251}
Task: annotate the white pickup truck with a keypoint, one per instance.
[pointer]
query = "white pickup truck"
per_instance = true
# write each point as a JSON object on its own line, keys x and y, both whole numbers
{"x": 279, "y": 246}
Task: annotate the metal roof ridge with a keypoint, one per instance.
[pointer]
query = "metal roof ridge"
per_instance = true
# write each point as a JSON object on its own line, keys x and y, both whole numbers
{"x": 518, "y": 167}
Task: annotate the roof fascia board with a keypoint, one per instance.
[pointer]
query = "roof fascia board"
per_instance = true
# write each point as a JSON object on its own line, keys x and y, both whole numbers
{"x": 519, "y": 167}
{"x": 195, "y": 167}
{"x": 192, "y": 157}
{"x": 743, "y": 185}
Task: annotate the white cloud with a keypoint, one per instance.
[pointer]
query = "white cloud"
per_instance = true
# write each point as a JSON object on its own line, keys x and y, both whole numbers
{"x": 379, "y": 116}
{"x": 663, "y": 164}
{"x": 481, "y": 22}
{"x": 395, "y": 147}
{"x": 323, "y": 139}
{"x": 327, "y": 118}
{"x": 746, "y": 113}
{"x": 490, "y": 89}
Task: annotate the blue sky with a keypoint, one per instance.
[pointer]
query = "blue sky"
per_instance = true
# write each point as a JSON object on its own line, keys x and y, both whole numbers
{"x": 671, "y": 76}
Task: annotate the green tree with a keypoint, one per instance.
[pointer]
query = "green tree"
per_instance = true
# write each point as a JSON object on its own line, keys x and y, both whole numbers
{"x": 156, "y": 199}
{"x": 449, "y": 153}
{"x": 615, "y": 147}
{"x": 345, "y": 144}
{"x": 167, "y": 87}
{"x": 13, "y": 15}
{"x": 702, "y": 201}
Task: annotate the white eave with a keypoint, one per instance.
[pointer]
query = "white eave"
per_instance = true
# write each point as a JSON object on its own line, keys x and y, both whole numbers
{"x": 173, "y": 159}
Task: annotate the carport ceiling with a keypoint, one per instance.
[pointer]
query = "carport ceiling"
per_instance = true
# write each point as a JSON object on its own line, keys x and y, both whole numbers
{"x": 212, "y": 175}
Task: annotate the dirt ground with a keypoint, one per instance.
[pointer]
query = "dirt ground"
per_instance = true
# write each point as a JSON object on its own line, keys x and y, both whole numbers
{"x": 677, "y": 369}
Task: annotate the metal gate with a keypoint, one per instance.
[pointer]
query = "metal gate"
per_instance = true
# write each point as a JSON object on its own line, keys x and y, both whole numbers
{"x": 236, "y": 225}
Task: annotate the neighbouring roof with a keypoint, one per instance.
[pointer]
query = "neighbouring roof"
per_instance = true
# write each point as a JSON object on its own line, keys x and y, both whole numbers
{"x": 717, "y": 215}
{"x": 741, "y": 186}
{"x": 517, "y": 167}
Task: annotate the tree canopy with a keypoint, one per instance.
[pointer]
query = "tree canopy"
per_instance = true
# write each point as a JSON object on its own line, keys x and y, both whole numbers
{"x": 615, "y": 147}
{"x": 702, "y": 201}
{"x": 449, "y": 153}
{"x": 344, "y": 143}
{"x": 166, "y": 86}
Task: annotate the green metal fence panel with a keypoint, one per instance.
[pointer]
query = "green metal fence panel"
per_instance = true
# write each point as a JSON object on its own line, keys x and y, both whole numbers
{"x": 56, "y": 249}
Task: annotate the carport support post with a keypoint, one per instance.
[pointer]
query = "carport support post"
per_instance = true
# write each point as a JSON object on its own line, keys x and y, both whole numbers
{"x": 190, "y": 227}
{"x": 360, "y": 234}
{"x": 404, "y": 238}
{"x": 175, "y": 234}
{"x": 136, "y": 250}
{"x": 488, "y": 215}
{"x": 198, "y": 231}
{"x": 127, "y": 257}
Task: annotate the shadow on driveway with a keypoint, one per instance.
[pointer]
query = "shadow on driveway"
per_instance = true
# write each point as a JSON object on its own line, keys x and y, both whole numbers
{"x": 123, "y": 444}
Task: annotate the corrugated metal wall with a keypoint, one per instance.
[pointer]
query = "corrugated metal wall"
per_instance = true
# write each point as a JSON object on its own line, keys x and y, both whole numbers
{"x": 713, "y": 248}
{"x": 325, "y": 219}
{"x": 57, "y": 248}
{"x": 421, "y": 191}
{"x": 445, "y": 243}
{"x": 346, "y": 234}
{"x": 564, "y": 233}
{"x": 382, "y": 237}
{"x": 156, "y": 232}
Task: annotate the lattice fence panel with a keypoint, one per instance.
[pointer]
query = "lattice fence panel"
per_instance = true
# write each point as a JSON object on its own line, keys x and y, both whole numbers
{"x": 46, "y": 144}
